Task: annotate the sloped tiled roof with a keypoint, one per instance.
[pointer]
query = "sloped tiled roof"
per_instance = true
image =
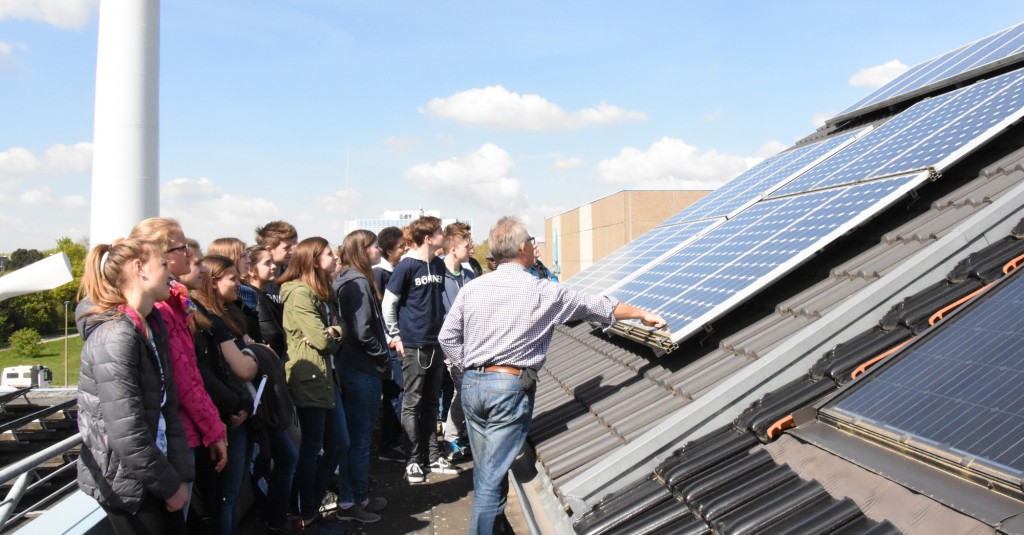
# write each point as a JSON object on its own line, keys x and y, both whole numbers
{"x": 604, "y": 405}
{"x": 737, "y": 480}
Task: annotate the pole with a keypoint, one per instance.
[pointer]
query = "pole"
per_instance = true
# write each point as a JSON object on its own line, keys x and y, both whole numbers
{"x": 66, "y": 383}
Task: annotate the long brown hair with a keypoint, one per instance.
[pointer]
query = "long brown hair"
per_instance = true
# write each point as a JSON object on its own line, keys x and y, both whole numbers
{"x": 218, "y": 266}
{"x": 104, "y": 278}
{"x": 304, "y": 267}
{"x": 353, "y": 254}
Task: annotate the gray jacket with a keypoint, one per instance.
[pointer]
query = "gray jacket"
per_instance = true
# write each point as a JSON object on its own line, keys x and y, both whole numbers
{"x": 119, "y": 395}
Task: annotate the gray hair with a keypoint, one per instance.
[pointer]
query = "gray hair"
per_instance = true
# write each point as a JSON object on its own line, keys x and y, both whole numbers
{"x": 505, "y": 238}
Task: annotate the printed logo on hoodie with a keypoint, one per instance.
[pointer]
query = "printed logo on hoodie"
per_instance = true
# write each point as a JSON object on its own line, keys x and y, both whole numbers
{"x": 428, "y": 279}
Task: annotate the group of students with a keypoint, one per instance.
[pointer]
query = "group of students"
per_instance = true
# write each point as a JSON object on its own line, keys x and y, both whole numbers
{"x": 270, "y": 360}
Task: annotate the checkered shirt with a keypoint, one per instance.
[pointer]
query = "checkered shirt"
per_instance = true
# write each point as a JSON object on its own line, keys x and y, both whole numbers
{"x": 507, "y": 317}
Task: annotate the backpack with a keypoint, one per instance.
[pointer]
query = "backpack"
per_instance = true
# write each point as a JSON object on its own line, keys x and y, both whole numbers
{"x": 275, "y": 411}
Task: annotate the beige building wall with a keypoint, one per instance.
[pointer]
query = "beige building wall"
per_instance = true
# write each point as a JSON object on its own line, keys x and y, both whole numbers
{"x": 590, "y": 232}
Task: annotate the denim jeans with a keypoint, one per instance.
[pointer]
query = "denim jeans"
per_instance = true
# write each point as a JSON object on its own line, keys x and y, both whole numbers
{"x": 391, "y": 423}
{"x": 362, "y": 401}
{"x": 421, "y": 368}
{"x": 455, "y": 423}
{"x": 285, "y": 456}
{"x": 498, "y": 415}
{"x": 322, "y": 430}
{"x": 232, "y": 477}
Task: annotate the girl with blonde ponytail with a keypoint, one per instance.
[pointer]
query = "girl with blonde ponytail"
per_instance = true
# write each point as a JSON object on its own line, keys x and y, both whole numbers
{"x": 135, "y": 459}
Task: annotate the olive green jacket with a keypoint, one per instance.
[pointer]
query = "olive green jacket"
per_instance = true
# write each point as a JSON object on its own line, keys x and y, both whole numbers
{"x": 309, "y": 367}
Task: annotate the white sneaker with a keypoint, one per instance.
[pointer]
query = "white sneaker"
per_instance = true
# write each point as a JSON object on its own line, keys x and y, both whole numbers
{"x": 443, "y": 466}
{"x": 414, "y": 473}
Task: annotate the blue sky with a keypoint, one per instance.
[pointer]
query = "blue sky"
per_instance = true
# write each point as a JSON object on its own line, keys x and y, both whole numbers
{"x": 475, "y": 109}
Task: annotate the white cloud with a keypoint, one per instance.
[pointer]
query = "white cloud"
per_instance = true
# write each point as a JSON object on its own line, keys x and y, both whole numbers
{"x": 36, "y": 196}
{"x": 818, "y": 119}
{"x": 672, "y": 163}
{"x": 771, "y": 148}
{"x": 206, "y": 212}
{"x": 497, "y": 107}
{"x": 59, "y": 13}
{"x": 483, "y": 176}
{"x": 340, "y": 202}
{"x": 74, "y": 201}
{"x": 562, "y": 164}
{"x": 879, "y": 75}
{"x": 8, "y": 51}
{"x": 56, "y": 160}
{"x": 43, "y": 196}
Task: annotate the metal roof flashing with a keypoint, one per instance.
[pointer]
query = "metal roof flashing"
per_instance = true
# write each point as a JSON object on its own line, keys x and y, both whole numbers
{"x": 793, "y": 356}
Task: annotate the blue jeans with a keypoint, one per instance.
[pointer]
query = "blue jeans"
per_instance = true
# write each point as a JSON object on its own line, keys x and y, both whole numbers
{"x": 326, "y": 430}
{"x": 231, "y": 478}
{"x": 362, "y": 401}
{"x": 498, "y": 415}
{"x": 391, "y": 423}
{"x": 279, "y": 485}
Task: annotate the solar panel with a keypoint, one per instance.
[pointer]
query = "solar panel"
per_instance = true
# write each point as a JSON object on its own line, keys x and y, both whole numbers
{"x": 933, "y": 133}
{"x": 968, "y": 61}
{"x": 760, "y": 179}
{"x": 707, "y": 277}
{"x": 634, "y": 255}
{"x": 957, "y": 390}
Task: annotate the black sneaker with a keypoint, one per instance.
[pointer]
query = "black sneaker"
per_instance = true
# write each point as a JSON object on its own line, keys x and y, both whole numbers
{"x": 414, "y": 473}
{"x": 443, "y": 466}
{"x": 356, "y": 513}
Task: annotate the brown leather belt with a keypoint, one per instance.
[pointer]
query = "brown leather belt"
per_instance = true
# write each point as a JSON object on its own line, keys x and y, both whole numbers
{"x": 502, "y": 369}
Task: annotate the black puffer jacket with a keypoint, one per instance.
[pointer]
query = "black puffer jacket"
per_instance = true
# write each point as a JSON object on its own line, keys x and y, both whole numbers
{"x": 119, "y": 395}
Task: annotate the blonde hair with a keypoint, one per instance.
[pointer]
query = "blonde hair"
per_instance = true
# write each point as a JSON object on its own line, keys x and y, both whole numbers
{"x": 106, "y": 272}
{"x": 157, "y": 230}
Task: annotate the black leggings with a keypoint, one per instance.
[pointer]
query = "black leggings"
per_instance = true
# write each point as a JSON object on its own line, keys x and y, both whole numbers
{"x": 153, "y": 518}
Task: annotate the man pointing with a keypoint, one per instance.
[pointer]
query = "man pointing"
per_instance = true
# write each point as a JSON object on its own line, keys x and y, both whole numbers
{"x": 498, "y": 331}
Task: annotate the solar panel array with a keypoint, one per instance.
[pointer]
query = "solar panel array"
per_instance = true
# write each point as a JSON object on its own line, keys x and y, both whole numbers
{"x": 710, "y": 257}
{"x": 969, "y": 60}
{"x": 927, "y": 134}
{"x": 959, "y": 390}
{"x": 634, "y": 255}
{"x": 731, "y": 197}
{"x": 720, "y": 268}
{"x": 761, "y": 179}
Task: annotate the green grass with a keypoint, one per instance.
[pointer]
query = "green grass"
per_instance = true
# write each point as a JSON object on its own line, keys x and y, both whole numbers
{"x": 53, "y": 358}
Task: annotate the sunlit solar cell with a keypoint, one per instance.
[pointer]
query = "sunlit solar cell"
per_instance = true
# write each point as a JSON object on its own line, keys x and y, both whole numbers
{"x": 927, "y": 134}
{"x": 760, "y": 179}
{"x": 958, "y": 389}
{"x": 742, "y": 255}
{"x": 969, "y": 60}
{"x": 634, "y": 255}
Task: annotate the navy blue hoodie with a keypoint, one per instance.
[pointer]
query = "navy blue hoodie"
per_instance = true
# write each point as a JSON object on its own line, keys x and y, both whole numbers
{"x": 419, "y": 286}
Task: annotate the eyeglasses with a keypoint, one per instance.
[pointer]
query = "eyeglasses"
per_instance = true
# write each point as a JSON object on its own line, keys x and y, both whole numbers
{"x": 183, "y": 248}
{"x": 531, "y": 240}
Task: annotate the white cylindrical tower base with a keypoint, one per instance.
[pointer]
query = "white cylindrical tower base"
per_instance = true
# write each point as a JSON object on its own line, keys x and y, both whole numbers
{"x": 126, "y": 130}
